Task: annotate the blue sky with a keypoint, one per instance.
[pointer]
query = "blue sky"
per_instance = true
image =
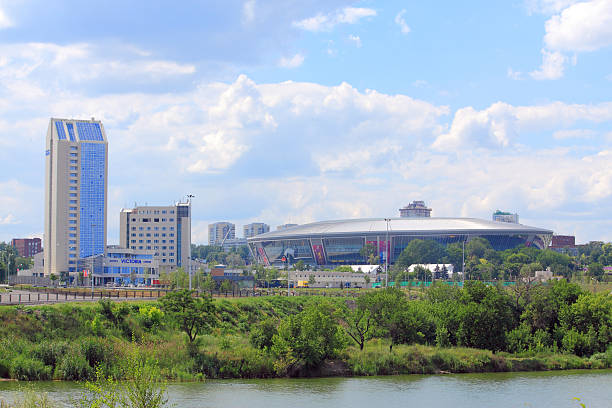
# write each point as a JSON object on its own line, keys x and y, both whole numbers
{"x": 280, "y": 111}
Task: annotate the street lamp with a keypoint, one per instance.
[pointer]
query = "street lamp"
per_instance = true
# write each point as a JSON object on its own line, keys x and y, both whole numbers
{"x": 387, "y": 248}
{"x": 189, "y": 197}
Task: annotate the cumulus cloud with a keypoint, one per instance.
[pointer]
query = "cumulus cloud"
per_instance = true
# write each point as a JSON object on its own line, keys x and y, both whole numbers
{"x": 401, "y": 22}
{"x": 500, "y": 124}
{"x": 293, "y": 62}
{"x": 326, "y": 22}
{"x": 585, "y": 26}
{"x": 574, "y": 27}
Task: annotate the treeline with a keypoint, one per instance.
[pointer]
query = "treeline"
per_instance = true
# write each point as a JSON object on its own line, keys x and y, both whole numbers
{"x": 482, "y": 262}
{"x": 476, "y": 328}
{"x": 11, "y": 262}
{"x": 216, "y": 255}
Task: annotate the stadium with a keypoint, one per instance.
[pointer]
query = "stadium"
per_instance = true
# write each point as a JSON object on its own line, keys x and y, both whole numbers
{"x": 339, "y": 242}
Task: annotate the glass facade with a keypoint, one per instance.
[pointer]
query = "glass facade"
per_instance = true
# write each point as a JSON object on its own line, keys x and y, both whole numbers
{"x": 92, "y": 199}
{"x": 89, "y": 131}
{"x": 345, "y": 250}
{"x": 61, "y": 133}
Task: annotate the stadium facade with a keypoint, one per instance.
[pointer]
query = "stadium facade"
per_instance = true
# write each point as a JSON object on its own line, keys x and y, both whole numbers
{"x": 339, "y": 242}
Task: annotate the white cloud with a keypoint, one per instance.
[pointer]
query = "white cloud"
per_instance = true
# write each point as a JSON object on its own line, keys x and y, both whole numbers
{"x": 420, "y": 83}
{"x": 5, "y": 21}
{"x": 500, "y": 124}
{"x": 574, "y": 134}
{"x": 585, "y": 26}
{"x": 548, "y": 6}
{"x": 574, "y": 27}
{"x": 248, "y": 11}
{"x": 355, "y": 39}
{"x": 293, "y": 62}
{"x": 401, "y": 22}
{"x": 8, "y": 220}
{"x": 516, "y": 75}
{"x": 553, "y": 65}
{"x": 326, "y": 22}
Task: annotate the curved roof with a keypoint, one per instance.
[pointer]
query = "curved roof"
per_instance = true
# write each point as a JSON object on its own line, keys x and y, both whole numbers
{"x": 408, "y": 226}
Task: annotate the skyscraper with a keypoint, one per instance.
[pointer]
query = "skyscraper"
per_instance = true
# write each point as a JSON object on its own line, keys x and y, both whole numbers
{"x": 76, "y": 190}
{"x": 255, "y": 228}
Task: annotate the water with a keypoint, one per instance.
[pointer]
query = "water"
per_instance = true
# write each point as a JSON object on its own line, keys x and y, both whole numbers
{"x": 498, "y": 390}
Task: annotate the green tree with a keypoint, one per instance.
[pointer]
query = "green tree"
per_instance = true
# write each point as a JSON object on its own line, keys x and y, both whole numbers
{"x": 308, "y": 338}
{"x": 311, "y": 279}
{"x": 226, "y": 286}
{"x": 300, "y": 266}
{"x": 477, "y": 247}
{"x": 369, "y": 253}
{"x": 356, "y": 319}
{"x": 193, "y": 315}
{"x": 420, "y": 251}
{"x": 596, "y": 270}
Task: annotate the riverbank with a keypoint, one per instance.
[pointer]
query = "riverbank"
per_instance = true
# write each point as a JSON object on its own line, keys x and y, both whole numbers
{"x": 244, "y": 339}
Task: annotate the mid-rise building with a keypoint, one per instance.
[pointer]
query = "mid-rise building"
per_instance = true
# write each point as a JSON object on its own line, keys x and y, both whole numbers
{"x": 415, "y": 209}
{"x": 565, "y": 244}
{"x": 255, "y": 228}
{"x": 76, "y": 191}
{"x": 26, "y": 247}
{"x": 502, "y": 216}
{"x": 230, "y": 244}
{"x": 220, "y": 231}
{"x": 165, "y": 230}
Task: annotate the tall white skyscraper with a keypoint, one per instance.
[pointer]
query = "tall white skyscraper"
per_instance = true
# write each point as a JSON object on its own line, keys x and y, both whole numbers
{"x": 76, "y": 191}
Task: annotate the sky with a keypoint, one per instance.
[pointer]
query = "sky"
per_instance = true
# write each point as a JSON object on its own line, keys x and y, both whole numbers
{"x": 302, "y": 111}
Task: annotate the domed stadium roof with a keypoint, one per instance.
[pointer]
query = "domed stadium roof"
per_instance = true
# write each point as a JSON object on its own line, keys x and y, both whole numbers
{"x": 408, "y": 226}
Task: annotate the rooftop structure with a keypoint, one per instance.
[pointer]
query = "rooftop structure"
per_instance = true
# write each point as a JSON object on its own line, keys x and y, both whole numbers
{"x": 415, "y": 209}
{"x": 502, "y": 216}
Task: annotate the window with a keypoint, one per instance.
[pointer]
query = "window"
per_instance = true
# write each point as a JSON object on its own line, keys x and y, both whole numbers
{"x": 163, "y": 220}
{"x": 171, "y": 219}
{"x": 163, "y": 211}
{"x": 148, "y": 234}
{"x": 72, "y": 181}
{"x": 72, "y": 228}
{"x": 73, "y": 155}
{"x": 155, "y": 241}
{"x": 133, "y": 234}
{"x": 156, "y": 235}
{"x": 73, "y": 194}
{"x": 148, "y": 247}
{"x": 140, "y": 241}
{"x": 141, "y": 235}
{"x": 171, "y": 241}
{"x": 156, "y": 228}
{"x": 171, "y": 228}
{"x": 133, "y": 241}
{"x": 71, "y": 255}
{"x": 73, "y": 188}
{"x": 72, "y": 235}
{"x": 73, "y": 168}
{"x": 163, "y": 228}
{"x": 140, "y": 228}
{"x": 171, "y": 254}
{"x": 156, "y": 247}
{"x": 73, "y": 148}
{"x": 163, "y": 241}
{"x": 72, "y": 242}
{"x": 164, "y": 260}
{"x": 71, "y": 221}
{"x": 145, "y": 219}
{"x": 73, "y": 201}
{"x": 133, "y": 228}
{"x": 73, "y": 162}
{"x": 72, "y": 215}
{"x": 71, "y": 263}
{"x": 170, "y": 247}
{"x": 163, "y": 253}
{"x": 148, "y": 228}
{"x": 73, "y": 175}
{"x": 155, "y": 219}
{"x": 73, "y": 208}
{"x": 163, "y": 247}
{"x": 133, "y": 219}
{"x": 171, "y": 211}
{"x": 171, "y": 235}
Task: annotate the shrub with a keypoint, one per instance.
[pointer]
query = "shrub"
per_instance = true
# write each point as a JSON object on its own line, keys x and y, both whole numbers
{"x": 50, "y": 352}
{"x": 25, "y": 368}
{"x": 261, "y": 336}
{"x": 73, "y": 367}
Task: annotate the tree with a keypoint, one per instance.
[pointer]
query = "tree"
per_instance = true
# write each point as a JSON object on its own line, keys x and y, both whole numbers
{"x": 369, "y": 253}
{"x": 311, "y": 279}
{"x": 308, "y": 338}
{"x": 386, "y": 308}
{"x": 299, "y": 266}
{"x": 477, "y": 247}
{"x": 53, "y": 278}
{"x": 193, "y": 315}
{"x": 596, "y": 270}
{"x": 357, "y": 321}
{"x": 420, "y": 251}
{"x": 226, "y": 286}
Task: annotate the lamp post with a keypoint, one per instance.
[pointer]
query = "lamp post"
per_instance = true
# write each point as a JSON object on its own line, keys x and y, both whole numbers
{"x": 387, "y": 247}
{"x": 189, "y": 197}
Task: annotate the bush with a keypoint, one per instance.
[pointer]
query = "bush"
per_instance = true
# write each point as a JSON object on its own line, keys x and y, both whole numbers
{"x": 50, "y": 352}
{"x": 25, "y": 368}
{"x": 73, "y": 367}
{"x": 261, "y": 336}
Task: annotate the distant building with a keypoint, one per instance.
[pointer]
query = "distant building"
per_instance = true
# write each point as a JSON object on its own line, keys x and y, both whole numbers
{"x": 415, "y": 209}
{"x": 165, "y": 230}
{"x": 26, "y": 247}
{"x": 329, "y": 279}
{"x": 501, "y": 216}
{"x": 220, "y": 231}
{"x": 123, "y": 265}
{"x": 285, "y": 226}
{"x": 255, "y": 228}
{"x": 565, "y": 244}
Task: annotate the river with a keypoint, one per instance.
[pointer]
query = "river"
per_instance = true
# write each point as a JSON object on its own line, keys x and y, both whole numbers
{"x": 498, "y": 390}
